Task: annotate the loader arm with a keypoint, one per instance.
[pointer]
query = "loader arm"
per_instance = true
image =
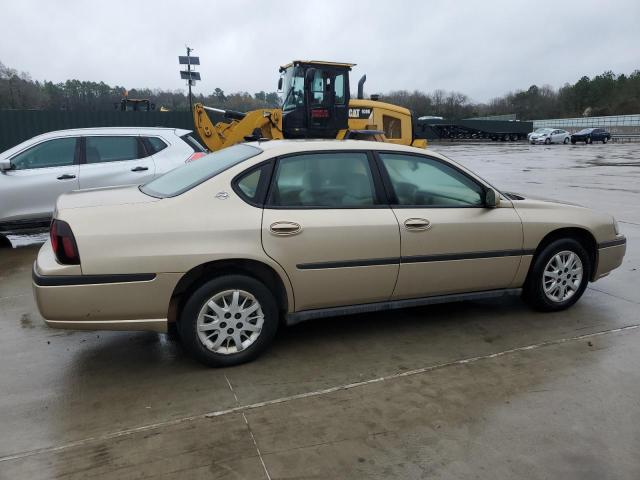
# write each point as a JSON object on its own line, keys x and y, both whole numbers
{"x": 236, "y": 126}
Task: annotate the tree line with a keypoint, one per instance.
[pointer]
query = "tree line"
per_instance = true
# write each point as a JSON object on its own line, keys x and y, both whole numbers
{"x": 604, "y": 94}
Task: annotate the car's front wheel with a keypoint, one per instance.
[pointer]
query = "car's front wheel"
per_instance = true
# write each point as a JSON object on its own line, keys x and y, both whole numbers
{"x": 566, "y": 140}
{"x": 547, "y": 141}
{"x": 229, "y": 320}
{"x": 558, "y": 276}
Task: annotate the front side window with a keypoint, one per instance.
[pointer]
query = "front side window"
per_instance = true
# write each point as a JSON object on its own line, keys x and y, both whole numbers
{"x": 329, "y": 180}
{"x": 111, "y": 149}
{"x": 59, "y": 152}
{"x": 188, "y": 176}
{"x": 423, "y": 181}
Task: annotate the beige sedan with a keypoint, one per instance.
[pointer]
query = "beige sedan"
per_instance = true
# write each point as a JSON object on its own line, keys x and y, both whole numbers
{"x": 230, "y": 247}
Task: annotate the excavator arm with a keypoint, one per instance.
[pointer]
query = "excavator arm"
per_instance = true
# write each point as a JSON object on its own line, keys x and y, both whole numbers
{"x": 236, "y": 127}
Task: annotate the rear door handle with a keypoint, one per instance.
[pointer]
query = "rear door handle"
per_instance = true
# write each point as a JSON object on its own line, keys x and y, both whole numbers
{"x": 66, "y": 176}
{"x": 285, "y": 228}
{"x": 139, "y": 169}
{"x": 417, "y": 224}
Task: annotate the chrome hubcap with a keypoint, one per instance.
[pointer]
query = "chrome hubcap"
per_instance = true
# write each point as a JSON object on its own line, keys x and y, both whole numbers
{"x": 562, "y": 276}
{"x": 230, "y": 322}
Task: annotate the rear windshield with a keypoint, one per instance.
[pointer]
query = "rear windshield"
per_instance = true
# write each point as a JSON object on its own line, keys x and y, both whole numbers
{"x": 193, "y": 143}
{"x": 186, "y": 177}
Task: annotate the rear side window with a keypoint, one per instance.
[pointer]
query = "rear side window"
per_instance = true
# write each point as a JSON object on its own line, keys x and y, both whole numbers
{"x": 186, "y": 177}
{"x": 252, "y": 185}
{"x": 248, "y": 184}
{"x": 111, "y": 149}
{"x": 155, "y": 144}
{"x": 329, "y": 180}
{"x": 53, "y": 153}
{"x": 190, "y": 140}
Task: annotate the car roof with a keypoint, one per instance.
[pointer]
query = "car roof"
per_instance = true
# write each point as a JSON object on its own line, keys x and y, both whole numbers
{"x": 283, "y": 147}
{"x": 112, "y": 131}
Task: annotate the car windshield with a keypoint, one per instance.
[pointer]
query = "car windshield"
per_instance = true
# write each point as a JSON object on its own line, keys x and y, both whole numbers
{"x": 186, "y": 177}
{"x": 585, "y": 130}
{"x": 544, "y": 130}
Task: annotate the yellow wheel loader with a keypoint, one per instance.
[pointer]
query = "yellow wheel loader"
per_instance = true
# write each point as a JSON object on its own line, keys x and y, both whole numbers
{"x": 316, "y": 104}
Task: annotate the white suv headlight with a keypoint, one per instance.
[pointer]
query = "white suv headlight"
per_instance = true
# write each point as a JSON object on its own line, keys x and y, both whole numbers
{"x": 616, "y": 228}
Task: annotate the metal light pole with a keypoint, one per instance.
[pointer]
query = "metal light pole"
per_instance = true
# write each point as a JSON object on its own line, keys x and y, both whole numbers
{"x": 189, "y": 75}
{"x": 189, "y": 70}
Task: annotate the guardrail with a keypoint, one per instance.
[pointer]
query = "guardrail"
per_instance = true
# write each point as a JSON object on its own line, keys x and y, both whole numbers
{"x": 625, "y": 137}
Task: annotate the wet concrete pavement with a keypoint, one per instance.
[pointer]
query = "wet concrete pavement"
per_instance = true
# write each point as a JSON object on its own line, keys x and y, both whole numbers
{"x": 472, "y": 390}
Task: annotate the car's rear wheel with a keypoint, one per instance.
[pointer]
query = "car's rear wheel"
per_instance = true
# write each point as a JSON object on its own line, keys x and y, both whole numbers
{"x": 4, "y": 242}
{"x": 229, "y": 320}
{"x": 604, "y": 140}
{"x": 559, "y": 276}
{"x": 566, "y": 140}
{"x": 587, "y": 140}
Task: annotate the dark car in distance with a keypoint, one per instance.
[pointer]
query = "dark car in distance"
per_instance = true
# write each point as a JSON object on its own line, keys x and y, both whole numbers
{"x": 590, "y": 135}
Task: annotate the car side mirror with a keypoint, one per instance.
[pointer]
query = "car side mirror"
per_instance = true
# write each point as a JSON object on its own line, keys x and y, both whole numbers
{"x": 280, "y": 84}
{"x": 491, "y": 198}
{"x": 5, "y": 165}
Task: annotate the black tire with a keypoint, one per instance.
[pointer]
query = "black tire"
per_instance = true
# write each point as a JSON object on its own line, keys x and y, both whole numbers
{"x": 4, "y": 242}
{"x": 188, "y": 320}
{"x": 566, "y": 140}
{"x": 173, "y": 333}
{"x": 547, "y": 141}
{"x": 573, "y": 142}
{"x": 604, "y": 140}
{"x": 533, "y": 291}
{"x": 587, "y": 140}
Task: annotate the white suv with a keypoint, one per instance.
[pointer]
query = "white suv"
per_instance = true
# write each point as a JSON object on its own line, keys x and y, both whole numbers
{"x": 34, "y": 173}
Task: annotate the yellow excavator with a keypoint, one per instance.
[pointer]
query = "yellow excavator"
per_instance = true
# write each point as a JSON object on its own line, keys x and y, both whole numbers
{"x": 316, "y": 104}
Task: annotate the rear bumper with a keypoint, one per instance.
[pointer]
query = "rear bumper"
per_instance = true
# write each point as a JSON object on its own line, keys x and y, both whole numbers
{"x": 104, "y": 302}
{"x": 610, "y": 255}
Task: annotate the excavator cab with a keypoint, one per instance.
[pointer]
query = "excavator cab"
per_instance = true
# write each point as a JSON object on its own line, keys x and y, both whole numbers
{"x": 315, "y": 98}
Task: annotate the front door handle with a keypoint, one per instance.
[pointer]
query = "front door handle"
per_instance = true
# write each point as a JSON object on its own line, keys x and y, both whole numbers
{"x": 417, "y": 224}
{"x": 285, "y": 228}
{"x": 66, "y": 176}
{"x": 139, "y": 169}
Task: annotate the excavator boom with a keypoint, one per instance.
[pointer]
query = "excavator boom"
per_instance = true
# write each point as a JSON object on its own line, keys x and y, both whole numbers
{"x": 235, "y": 127}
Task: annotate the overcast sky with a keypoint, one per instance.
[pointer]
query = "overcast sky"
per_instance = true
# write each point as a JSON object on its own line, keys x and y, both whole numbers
{"x": 481, "y": 48}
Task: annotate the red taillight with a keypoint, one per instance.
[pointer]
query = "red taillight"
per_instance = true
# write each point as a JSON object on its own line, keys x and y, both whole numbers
{"x": 64, "y": 243}
{"x": 195, "y": 156}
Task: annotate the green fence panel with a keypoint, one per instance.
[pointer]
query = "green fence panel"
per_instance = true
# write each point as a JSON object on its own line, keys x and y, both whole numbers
{"x": 16, "y": 126}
